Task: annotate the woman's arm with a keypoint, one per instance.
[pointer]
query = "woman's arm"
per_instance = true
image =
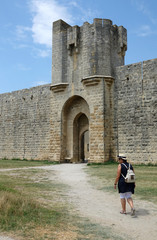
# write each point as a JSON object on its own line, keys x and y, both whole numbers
{"x": 118, "y": 175}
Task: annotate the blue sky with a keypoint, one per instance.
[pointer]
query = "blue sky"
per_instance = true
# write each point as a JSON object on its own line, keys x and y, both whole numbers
{"x": 26, "y": 34}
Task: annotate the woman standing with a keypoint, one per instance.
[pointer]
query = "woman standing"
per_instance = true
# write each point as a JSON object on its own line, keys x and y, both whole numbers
{"x": 125, "y": 189}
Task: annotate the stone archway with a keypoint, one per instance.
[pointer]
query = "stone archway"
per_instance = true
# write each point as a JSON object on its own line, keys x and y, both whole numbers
{"x": 81, "y": 138}
{"x": 75, "y": 130}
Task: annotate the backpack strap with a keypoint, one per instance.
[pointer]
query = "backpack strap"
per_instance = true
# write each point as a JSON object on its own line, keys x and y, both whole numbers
{"x": 126, "y": 168}
{"x": 122, "y": 175}
{"x": 129, "y": 167}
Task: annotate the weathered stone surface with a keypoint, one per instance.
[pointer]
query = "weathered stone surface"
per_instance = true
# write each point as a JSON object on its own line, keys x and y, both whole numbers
{"x": 136, "y": 89}
{"x": 25, "y": 123}
{"x": 95, "y": 106}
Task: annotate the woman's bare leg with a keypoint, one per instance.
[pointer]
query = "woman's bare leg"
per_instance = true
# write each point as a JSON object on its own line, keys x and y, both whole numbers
{"x": 130, "y": 201}
{"x": 123, "y": 203}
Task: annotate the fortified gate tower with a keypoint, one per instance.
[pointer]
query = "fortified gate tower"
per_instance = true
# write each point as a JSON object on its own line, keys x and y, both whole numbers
{"x": 83, "y": 90}
{"x": 95, "y": 108}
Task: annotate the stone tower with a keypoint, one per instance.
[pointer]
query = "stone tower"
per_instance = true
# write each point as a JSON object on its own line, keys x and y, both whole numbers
{"x": 82, "y": 52}
{"x": 83, "y": 69}
{"x": 95, "y": 108}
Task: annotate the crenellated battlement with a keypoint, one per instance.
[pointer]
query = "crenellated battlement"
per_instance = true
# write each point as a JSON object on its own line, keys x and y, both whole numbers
{"x": 100, "y": 47}
{"x": 59, "y": 26}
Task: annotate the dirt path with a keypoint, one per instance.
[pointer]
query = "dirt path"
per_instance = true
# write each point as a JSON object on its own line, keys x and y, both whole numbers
{"x": 103, "y": 208}
{"x": 5, "y": 238}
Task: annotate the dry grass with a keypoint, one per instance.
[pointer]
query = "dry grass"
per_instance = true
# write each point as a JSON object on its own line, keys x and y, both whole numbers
{"x": 17, "y": 163}
{"x": 23, "y": 208}
{"x": 35, "y": 208}
{"x": 103, "y": 176}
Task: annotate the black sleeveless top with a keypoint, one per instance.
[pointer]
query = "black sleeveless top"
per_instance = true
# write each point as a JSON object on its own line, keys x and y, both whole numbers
{"x": 122, "y": 185}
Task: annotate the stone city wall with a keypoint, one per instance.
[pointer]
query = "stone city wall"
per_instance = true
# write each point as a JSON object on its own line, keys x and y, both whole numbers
{"x": 31, "y": 121}
{"x": 25, "y": 123}
{"x": 136, "y": 87}
{"x": 117, "y": 104}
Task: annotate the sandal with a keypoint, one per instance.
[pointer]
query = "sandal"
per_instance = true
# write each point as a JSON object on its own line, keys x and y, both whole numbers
{"x": 122, "y": 212}
{"x": 132, "y": 212}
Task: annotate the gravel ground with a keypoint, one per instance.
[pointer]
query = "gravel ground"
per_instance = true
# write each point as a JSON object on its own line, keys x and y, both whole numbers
{"x": 5, "y": 238}
{"x": 103, "y": 207}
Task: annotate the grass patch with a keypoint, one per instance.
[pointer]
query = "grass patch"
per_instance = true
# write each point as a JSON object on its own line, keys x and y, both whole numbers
{"x": 18, "y": 211}
{"x": 103, "y": 176}
{"x": 102, "y": 164}
{"x": 15, "y": 163}
{"x": 146, "y": 187}
{"x": 35, "y": 208}
{"x": 30, "y": 206}
{"x": 93, "y": 231}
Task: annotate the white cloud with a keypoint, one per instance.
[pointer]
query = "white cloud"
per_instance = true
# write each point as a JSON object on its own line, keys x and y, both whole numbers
{"x": 44, "y": 12}
{"x": 144, "y": 8}
{"x": 147, "y": 13}
{"x": 41, "y": 52}
{"x": 22, "y": 67}
{"x": 22, "y": 31}
{"x": 38, "y": 83}
{"x": 84, "y": 14}
{"x": 74, "y": 3}
{"x": 144, "y": 31}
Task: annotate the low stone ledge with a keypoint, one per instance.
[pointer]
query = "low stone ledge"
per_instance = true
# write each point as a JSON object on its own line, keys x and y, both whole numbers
{"x": 60, "y": 87}
{"x": 67, "y": 160}
{"x": 94, "y": 80}
{"x": 108, "y": 79}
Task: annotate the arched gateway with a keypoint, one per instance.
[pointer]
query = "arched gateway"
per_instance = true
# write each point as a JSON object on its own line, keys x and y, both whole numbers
{"x": 55, "y": 122}
{"x": 83, "y": 67}
{"x": 75, "y": 130}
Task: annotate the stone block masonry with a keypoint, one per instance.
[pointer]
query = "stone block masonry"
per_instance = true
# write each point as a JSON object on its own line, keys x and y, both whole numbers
{"x": 137, "y": 110}
{"x": 83, "y": 65}
{"x": 25, "y": 124}
{"x": 95, "y": 107}
{"x": 92, "y": 49}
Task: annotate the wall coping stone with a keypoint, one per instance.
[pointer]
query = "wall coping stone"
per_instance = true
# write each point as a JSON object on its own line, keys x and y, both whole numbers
{"x": 95, "y": 79}
{"x": 59, "y": 87}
